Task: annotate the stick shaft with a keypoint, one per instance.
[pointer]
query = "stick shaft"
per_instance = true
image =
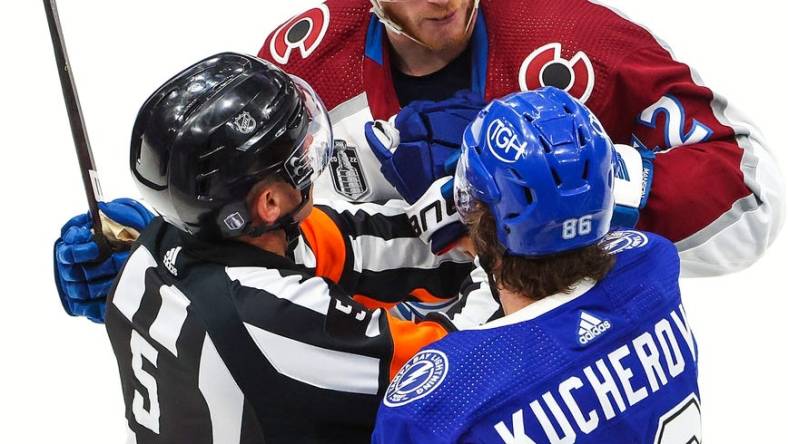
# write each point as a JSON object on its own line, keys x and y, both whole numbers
{"x": 87, "y": 165}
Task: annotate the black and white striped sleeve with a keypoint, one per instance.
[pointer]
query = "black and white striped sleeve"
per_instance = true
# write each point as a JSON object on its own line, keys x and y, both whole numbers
{"x": 478, "y": 302}
{"x": 329, "y": 348}
{"x": 389, "y": 262}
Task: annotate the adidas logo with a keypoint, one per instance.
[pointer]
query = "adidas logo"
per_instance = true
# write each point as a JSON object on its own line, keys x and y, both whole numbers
{"x": 591, "y": 328}
{"x": 169, "y": 260}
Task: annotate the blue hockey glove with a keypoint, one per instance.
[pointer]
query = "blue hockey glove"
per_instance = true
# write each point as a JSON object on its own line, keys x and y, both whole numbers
{"x": 423, "y": 142}
{"x": 81, "y": 283}
{"x": 634, "y": 172}
{"x": 435, "y": 218}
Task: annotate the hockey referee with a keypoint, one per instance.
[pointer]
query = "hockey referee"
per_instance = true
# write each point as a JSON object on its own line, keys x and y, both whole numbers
{"x": 222, "y": 329}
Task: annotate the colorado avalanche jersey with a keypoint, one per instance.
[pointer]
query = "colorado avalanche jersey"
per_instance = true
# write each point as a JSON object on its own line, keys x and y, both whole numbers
{"x": 718, "y": 197}
{"x": 612, "y": 362}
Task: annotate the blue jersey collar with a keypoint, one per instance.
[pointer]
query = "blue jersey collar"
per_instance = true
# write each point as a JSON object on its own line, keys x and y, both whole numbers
{"x": 376, "y": 32}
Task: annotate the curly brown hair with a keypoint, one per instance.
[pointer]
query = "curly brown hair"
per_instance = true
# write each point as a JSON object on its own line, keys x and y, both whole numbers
{"x": 534, "y": 277}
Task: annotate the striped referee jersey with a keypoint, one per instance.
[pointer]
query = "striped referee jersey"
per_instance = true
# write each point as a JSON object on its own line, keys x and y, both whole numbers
{"x": 224, "y": 343}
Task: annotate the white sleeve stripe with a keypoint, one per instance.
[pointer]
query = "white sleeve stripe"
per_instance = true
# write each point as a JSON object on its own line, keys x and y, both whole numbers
{"x": 313, "y": 293}
{"x": 738, "y": 210}
{"x": 222, "y": 394}
{"x": 480, "y": 305}
{"x": 350, "y": 107}
{"x": 379, "y": 254}
{"x": 479, "y": 308}
{"x": 394, "y": 207}
{"x": 316, "y": 366}
{"x": 373, "y": 326}
{"x": 166, "y": 328}
{"x": 131, "y": 286}
{"x": 304, "y": 255}
{"x": 739, "y": 236}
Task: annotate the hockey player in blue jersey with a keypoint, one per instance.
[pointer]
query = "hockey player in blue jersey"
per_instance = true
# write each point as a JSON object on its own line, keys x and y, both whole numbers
{"x": 595, "y": 345}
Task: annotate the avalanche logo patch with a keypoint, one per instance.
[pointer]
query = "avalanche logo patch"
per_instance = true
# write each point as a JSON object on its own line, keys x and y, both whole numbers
{"x": 303, "y": 32}
{"x": 619, "y": 241}
{"x": 418, "y": 378}
{"x": 546, "y": 67}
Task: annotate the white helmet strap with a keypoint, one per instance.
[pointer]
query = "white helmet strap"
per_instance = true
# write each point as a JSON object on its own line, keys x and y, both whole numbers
{"x": 472, "y": 15}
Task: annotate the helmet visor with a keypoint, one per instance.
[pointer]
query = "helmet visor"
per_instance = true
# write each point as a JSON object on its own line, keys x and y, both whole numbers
{"x": 314, "y": 151}
{"x": 473, "y": 184}
{"x": 464, "y": 198}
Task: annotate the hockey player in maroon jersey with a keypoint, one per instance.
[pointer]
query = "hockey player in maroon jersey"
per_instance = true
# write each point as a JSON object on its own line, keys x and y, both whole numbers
{"x": 718, "y": 195}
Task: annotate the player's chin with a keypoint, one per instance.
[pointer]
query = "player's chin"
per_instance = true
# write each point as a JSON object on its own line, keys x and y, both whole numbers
{"x": 443, "y": 42}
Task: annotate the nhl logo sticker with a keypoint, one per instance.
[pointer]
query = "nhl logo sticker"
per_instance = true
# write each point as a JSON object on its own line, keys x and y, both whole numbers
{"x": 419, "y": 377}
{"x": 303, "y": 32}
{"x": 546, "y": 67}
{"x": 196, "y": 87}
{"x": 244, "y": 123}
{"x": 620, "y": 241}
{"x": 346, "y": 172}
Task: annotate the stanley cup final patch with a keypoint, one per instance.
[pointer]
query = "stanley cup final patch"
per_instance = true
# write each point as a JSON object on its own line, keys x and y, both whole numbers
{"x": 346, "y": 172}
{"x": 419, "y": 377}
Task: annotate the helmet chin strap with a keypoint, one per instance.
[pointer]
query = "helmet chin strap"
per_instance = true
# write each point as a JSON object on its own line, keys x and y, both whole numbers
{"x": 377, "y": 9}
{"x": 472, "y": 15}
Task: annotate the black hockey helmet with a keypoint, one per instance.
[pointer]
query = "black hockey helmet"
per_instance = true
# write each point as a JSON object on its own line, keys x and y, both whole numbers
{"x": 209, "y": 134}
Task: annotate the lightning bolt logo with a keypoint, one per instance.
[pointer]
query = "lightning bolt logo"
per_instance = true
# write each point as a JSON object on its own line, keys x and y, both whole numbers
{"x": 422, "y": 368}
{"x": 419, "y": 377}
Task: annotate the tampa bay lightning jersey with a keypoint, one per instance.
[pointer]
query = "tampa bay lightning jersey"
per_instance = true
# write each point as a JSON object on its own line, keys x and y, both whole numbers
{"x": 614, "y": 361}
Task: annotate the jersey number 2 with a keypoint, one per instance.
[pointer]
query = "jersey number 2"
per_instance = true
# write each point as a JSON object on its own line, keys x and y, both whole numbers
{"x": 675, "y": 122}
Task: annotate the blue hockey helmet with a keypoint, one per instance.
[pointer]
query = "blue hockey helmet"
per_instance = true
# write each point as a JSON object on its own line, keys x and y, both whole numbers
{"x": 542, "y": 163}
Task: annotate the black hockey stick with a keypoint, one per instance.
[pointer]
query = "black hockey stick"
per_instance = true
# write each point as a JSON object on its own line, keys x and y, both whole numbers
{"x": 86, "y": 164}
